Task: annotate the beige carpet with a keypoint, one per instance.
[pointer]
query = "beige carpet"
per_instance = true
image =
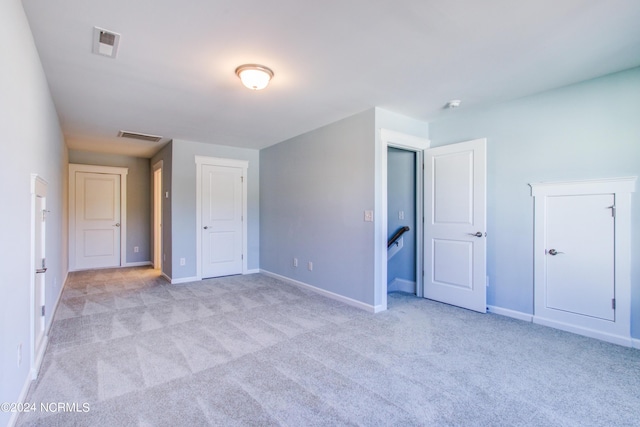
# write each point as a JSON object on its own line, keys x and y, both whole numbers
{"x": 251, "y": 350}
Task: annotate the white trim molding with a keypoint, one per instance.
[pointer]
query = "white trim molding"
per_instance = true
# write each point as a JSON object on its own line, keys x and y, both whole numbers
{"x": 389, "y": 138}
{"x": 332, "y": 295}
{"x": 138, "y": 264}
{"x": 183, "y": 280}
{"x": 617, "y": 331}
{"x": 510, "y": 313}
{"x": 217, "y": 161}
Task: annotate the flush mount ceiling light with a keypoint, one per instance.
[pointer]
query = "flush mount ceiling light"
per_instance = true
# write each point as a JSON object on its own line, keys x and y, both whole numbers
{"x": 254, "y": 76}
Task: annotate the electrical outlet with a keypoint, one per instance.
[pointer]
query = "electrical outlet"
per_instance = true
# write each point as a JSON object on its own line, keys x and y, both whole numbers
{"x": 400, "y": 214}
{"x": 19, "y": 354}
{"x": 295, "y": 262}
{"x": 183, "y": 261}
{"x": 166, "y": 195}
{"x": 310, "y": 266}
{"x": 136, "y": 249}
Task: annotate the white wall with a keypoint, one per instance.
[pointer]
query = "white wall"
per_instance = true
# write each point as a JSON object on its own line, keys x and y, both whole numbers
{"x": 588, "y": 130}
{"x": 30, "y": 142}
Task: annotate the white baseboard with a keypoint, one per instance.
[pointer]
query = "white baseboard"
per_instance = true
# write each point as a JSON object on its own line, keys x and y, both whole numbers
{"x": 635, "y": 343}
{"x": 349, "y": 301}
{"x": 510, "y": 313}
{"x": 138, "y": 264}
{"x": 252, "y": 271}
{"x": 21, "y": 399}
{"x": 182, "y": 279}
{"x": 379, "y": 308}
{"x": 591, "y": 333}
{"x": 402, "y": 285}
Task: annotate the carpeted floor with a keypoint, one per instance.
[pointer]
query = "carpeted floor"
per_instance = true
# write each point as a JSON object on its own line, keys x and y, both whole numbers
{"x": 251, "y": 350}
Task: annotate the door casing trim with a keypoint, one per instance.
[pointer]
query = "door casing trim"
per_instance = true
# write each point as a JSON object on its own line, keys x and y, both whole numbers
{"x": 390, "y": 138}
{"x": 618, "y": 331}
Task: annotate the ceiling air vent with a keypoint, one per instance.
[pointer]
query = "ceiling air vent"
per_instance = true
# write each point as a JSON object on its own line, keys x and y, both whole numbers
{"x": 139, "y": 136}
{"x": 105, "y": 42}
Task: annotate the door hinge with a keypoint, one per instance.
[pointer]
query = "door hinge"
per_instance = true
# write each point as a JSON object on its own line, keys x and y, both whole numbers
{"x": 613, "y": 303}
{"x": 242, "y": 256}
{"x": 42, "y": 310}
{"x": 242, "y": 179}
{"x": 613, "y": 210}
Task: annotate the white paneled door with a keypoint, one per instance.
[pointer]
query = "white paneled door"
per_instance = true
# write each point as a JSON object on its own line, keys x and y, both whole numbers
{"x": 97, "y": 220}
{"x": 39, "y": 216}
{"x": 580, "y": 255}
{"x": 455, "y": 224}
{"x": 222, "y": 220}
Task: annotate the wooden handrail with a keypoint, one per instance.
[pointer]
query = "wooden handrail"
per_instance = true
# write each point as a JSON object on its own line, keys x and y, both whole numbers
{"x": 397, "y": 236}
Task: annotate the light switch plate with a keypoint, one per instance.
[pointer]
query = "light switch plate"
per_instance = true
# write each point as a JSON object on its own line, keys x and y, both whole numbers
{"x": 368, "y": 216}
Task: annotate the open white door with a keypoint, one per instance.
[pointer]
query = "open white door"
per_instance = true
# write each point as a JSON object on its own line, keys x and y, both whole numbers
{"x": 455, "y": 224}
{"x": 39, "y": 265}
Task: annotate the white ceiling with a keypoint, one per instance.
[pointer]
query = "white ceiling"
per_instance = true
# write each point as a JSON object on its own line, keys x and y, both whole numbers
{"x": 174, "y": 73}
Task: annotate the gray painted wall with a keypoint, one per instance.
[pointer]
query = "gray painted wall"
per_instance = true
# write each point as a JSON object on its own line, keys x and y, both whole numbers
{"x": 30, "y": 142}
{"x": 138, "y": 197}
{"x": 183, "y": 202}
{"x": 401, "y": 191}
{"x": 314, "y": 189}
{"x": 585, "y": 131}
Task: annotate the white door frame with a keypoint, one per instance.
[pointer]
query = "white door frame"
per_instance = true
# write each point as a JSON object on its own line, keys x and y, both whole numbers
{"x": 38, "y": 189}
{"x": 619, "y": 331}
{"x": 217, "y": 161}
{"x": 73, "y": 168}
{"x": 390, "y": 138}
{"x": 157, "y": 216}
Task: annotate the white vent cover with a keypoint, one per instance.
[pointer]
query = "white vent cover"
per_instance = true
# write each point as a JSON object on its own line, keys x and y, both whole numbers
{"x": 105, "y": 42}
{"x": 140, "y": 136}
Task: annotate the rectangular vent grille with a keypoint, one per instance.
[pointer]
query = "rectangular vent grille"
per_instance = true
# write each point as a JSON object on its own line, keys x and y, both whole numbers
{"x": 107, "y": 38}
{"x": 139, "y": 136}
{"x": 105, "y": 42}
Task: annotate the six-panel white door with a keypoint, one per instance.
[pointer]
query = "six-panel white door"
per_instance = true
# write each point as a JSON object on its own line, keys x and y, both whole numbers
{"x": 221, "y": 218}
{"x": 97, "y": 220}
{"x": 455, "y": 224}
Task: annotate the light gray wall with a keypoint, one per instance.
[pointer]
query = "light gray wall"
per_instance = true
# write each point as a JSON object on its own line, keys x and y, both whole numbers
{"x": 30, "y": 142}
{"x": 314, "y": 189}
{"x": 183, "y": 202}
{"x": 401, "y": 196}
{"x": 166, "y": 155}
{"x": 585, "y": 131}
{"x": 138, "y": 197}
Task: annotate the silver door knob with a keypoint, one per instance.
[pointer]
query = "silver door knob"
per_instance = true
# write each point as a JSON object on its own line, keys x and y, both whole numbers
{"x": 554, "y": 252}
{"x": 478, "y": 234}
{"x": 117, "y": 224}
{"x": 206, "y": 227}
